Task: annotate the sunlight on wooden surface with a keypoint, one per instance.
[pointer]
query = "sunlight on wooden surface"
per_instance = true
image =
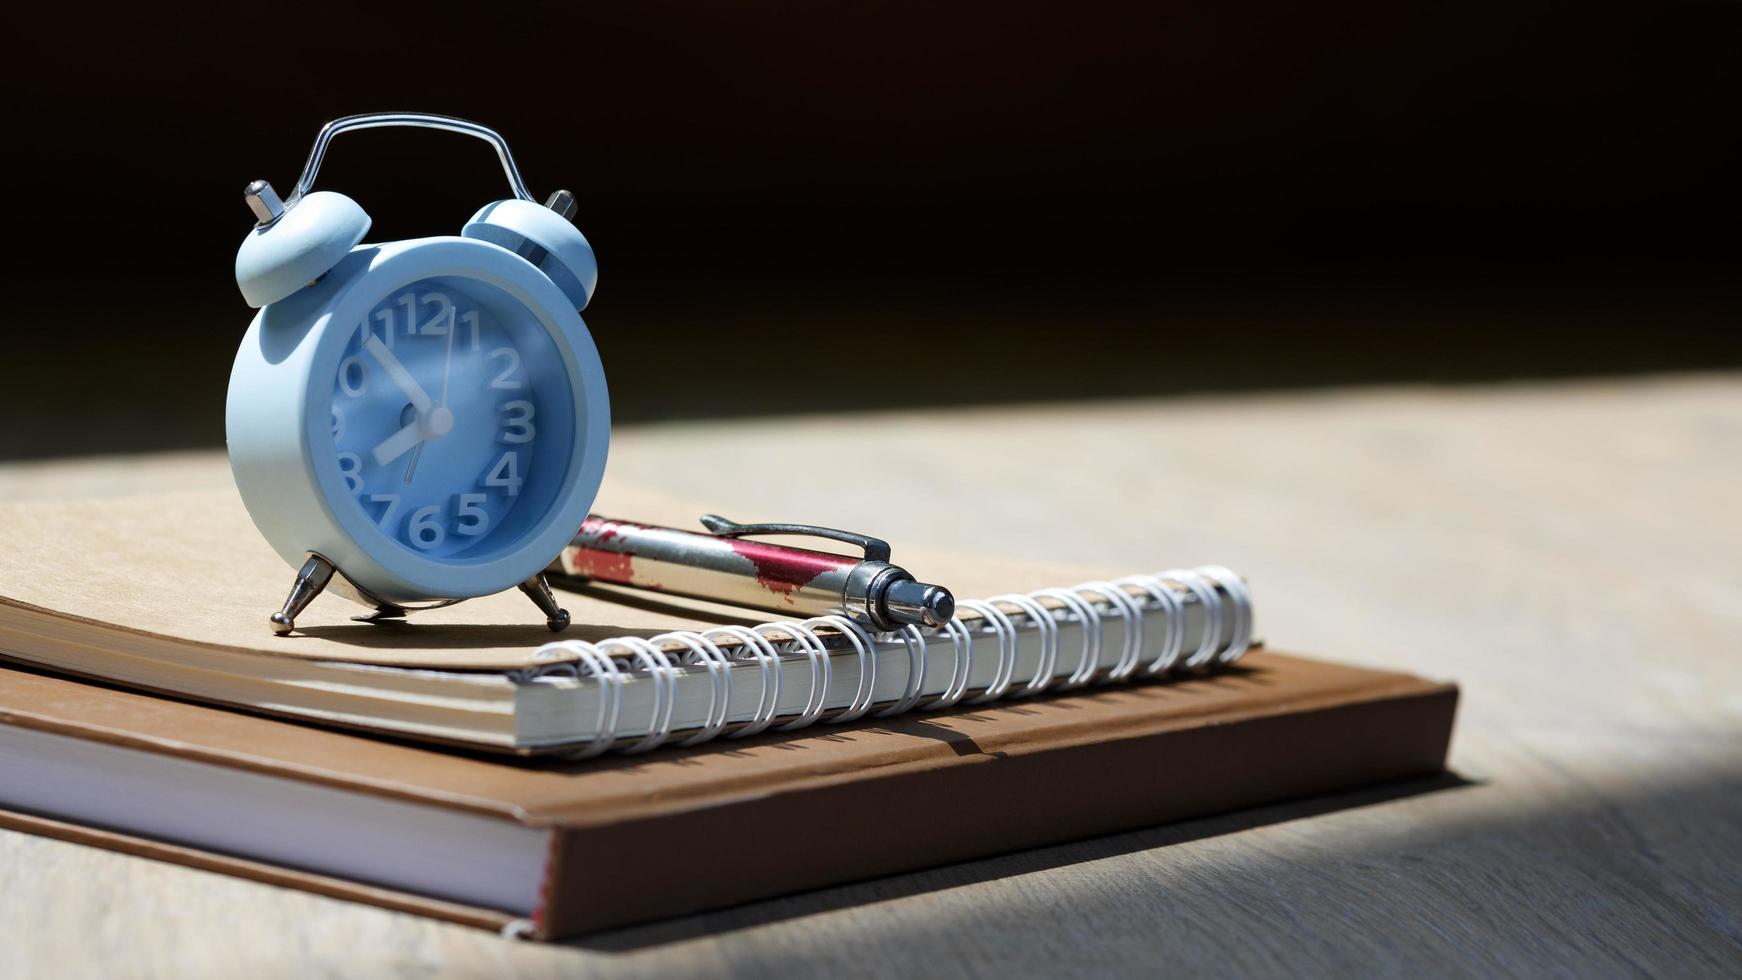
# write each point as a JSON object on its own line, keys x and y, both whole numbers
{"x": 1567, "y": 553}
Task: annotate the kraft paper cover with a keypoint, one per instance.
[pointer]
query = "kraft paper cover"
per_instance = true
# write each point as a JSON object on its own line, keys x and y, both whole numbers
{"x": 191, "y": 567}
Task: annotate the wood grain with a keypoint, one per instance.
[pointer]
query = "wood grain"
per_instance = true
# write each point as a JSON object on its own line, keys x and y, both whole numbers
{"x": 1568, "y": 554}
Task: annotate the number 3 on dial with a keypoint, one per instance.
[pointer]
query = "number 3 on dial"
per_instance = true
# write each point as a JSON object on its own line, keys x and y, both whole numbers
{"x": 517, "y": 422}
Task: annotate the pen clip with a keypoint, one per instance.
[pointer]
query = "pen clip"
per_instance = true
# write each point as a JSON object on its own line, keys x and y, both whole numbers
{"x": 876, "y": 549}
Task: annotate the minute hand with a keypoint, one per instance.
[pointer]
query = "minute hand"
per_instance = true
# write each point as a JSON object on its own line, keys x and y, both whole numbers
{"x": 399, "y": 374}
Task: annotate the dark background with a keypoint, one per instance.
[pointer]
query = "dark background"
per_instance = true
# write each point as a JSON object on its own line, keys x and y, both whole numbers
{"x": 936, "y": 204}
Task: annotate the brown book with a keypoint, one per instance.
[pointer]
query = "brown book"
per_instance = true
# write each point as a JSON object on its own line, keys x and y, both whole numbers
{"x": 573, "y": 847}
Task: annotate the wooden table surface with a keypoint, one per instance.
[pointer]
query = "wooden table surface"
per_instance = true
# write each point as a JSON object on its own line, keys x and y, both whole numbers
{"x": 1571, "y": 554}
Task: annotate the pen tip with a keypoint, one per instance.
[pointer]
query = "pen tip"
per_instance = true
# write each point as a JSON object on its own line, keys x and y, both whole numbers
{"x": 906, "y": 602}
{"x": 940, "y": 606}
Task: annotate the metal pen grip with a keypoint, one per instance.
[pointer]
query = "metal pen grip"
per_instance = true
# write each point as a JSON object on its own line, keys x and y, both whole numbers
{"x": 414, "y": 120}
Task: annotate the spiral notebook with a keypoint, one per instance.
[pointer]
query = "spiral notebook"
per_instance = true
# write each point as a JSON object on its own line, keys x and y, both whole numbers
{"x": 635, "y": 674}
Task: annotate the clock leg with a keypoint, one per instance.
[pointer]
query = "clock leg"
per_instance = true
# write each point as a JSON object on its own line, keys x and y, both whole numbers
{"x": 314, "y": 576}
{"x": 538, "y": 590}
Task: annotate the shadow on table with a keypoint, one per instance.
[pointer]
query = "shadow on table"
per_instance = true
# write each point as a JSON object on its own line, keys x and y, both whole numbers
{"x": 1023, "y": 862}
{"x": 1635, "y": 876}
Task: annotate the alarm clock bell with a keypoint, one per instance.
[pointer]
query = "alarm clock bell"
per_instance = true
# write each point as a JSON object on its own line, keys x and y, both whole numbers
{"x": 292, "y": 247}
{"x": 543, "y": 236}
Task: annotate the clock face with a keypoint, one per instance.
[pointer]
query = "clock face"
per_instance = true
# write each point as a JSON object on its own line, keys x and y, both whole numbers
{"x": 452, "y": 419}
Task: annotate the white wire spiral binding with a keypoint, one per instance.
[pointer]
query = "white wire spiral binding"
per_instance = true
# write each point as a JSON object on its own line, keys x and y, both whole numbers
{"x": 1173, "y": 618}
{"x": 1213, "y": 587}
{"x": 706, "y": 653}
{"x": 1131, "y": 614}
{"x": 768, "y": 659}
{"x": 664, "y": 677}
{"x": 916, "y": 658}
{"x": 865, "y": 645}
{"x": 1241, "y": 597}
{"x": 962, "y": 642}
{"x": 1049, "y": 641}
{"x": 1205, "y": 590}
{"x": 818, "y": 654}
{"x": 1090, "y": 661}
{"x": 1005, "y": 630}
{"x": 589, "y": 662}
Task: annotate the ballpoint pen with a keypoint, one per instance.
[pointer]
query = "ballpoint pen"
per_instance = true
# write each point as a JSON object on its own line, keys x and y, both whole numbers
{"x": 722, "y": 567}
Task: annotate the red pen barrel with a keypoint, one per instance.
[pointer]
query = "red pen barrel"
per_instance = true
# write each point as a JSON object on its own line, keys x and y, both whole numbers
{"x": 754, "y": 574}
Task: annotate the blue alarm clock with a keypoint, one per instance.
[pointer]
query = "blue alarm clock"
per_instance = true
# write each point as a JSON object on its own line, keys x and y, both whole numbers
{"x": 419, "y": 422}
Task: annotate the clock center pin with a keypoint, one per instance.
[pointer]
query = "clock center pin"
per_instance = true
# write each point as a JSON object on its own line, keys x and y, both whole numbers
{"x": 440, "y": 422}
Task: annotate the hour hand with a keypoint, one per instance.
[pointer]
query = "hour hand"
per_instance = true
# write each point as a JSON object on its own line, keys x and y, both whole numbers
{"x": 401, "y": 377}
{"x": 397, "y": 444}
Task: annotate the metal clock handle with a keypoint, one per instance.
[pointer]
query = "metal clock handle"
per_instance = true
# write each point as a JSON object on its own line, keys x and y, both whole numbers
{"x": 414, "y": 120}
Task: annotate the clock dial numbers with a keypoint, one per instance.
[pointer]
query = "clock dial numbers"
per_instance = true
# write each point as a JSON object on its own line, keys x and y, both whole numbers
{"x": 425, "y": 528}
{"x": 409, "y": 302}
{"x": 473, "y": 330}
{"x": 390, "y": 502}
{"x": 428, "y": 526}
{"x": 439, "y": 323}
{"x": 353, "y": 376}
{"x": 506, "y": 474}
{"x": 351, "y": 469}
{"x": 517, "y": 427}
{"x": 401, "y": 317}
{"x": 439, "y": 416}
{"x": 473, "y": 518}
{"x": 385, "y": 318}
{"x": 508, "y": 360}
